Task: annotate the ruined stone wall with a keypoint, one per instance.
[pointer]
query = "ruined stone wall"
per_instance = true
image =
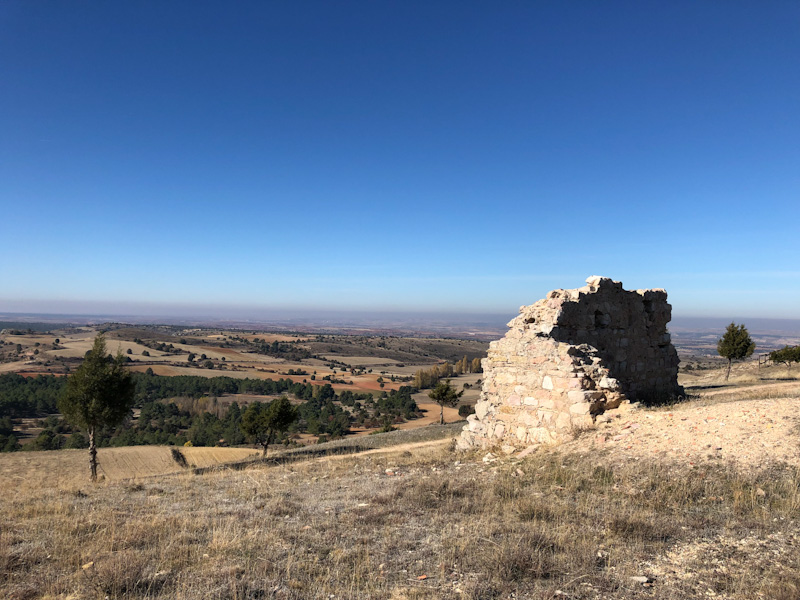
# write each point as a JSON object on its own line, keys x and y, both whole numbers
{"x": 571, "y": 357}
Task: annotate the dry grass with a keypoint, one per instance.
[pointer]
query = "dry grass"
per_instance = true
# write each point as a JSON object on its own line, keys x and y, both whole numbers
{"x": 66, "y": 468}
{"x": 418, "y": 524}
{"x": 412, "y": 520}
{"x": 755, "y": 392}
{"x": 743, "y": 373}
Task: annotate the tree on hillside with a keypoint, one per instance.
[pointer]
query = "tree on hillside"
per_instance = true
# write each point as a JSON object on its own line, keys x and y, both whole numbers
{"x": 444, "y": 395}
{"x": 98, "y": 394}
{"x": 735, "y": 344}
{"x": 786, "y": 355}
{"x": 261, "y": 423}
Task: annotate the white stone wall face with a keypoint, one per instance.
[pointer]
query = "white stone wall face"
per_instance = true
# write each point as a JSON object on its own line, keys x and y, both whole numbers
{"x": 570, "y": 357}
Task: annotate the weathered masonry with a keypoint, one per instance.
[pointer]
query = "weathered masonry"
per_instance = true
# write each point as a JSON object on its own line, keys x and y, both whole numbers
{"x": 569, "y": 358}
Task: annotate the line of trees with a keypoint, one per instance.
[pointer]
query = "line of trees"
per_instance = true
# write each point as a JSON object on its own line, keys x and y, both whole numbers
{"x": 287, "y": 350}
{"x": 428, "y": 378}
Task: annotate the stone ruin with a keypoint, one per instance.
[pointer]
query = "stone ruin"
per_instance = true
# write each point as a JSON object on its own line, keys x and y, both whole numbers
{"x": 569, "y": 358}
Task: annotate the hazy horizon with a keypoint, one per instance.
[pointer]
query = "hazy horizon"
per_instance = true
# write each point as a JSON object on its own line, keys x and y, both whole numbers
{"x": 387, "y": 319}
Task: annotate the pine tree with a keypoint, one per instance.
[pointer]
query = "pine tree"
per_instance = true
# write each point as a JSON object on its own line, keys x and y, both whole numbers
{"x": 98, "y": 394}
{"x": 263, "y": 422}
{"x": 786, "y": 355}
{"x": 444, "y": 394}
{"x": 735, "y": 344}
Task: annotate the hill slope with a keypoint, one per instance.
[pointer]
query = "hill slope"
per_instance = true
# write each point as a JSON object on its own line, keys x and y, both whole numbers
{"x": 630, "y": 517}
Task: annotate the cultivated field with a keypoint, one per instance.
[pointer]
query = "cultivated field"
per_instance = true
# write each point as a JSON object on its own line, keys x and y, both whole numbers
{"x": 358, "y": 361}
{"x": 62, "y": 468}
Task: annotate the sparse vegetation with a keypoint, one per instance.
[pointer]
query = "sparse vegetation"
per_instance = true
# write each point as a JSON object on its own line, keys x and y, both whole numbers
{"x": 415, "y": 522}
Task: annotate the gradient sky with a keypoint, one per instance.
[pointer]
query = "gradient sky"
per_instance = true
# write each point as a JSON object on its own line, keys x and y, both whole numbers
{"x": 465, "y": 156}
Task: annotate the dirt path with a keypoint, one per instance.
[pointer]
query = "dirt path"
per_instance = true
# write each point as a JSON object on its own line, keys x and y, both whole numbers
{"x": 387, "y": 450}
{"x": 13, "y": 367}
{"x": 782, "y": 386}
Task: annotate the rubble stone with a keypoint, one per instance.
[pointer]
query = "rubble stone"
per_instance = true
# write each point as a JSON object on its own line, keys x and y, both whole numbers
{"x": 570, "y": 357}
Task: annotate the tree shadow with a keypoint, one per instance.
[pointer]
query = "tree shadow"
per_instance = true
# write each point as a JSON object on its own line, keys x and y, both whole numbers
{"x": 710, "y": 386}
{"x": 283, "y": 459}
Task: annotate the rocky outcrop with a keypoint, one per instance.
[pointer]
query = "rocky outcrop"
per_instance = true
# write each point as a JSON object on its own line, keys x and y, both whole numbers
{"x": 569, "y": 358}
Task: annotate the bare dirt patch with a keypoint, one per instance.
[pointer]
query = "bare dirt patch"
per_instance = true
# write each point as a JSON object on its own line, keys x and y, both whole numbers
{"x": 749, "y": 432}
{"x": 200, "y": 372}
{"x": 364, "y": 361}
{"x": 432, "y": 412}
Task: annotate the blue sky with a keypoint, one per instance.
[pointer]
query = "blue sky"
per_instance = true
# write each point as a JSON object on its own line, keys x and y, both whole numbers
{"x": 452, "y": 156}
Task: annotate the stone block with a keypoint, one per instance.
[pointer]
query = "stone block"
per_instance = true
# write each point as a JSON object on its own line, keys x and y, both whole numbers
{"x": 576, "y": 383}
{"x": 540, "y": 435}
{"x": 580, "y": 408}
{"x": 582, "y": 421}
{"x": 563, "y": 421}
{"x": 481, "y": 408}
{"x": 548, "y": 403}
{"x": 578, "y": 396}
{"x": 609, "y": 383}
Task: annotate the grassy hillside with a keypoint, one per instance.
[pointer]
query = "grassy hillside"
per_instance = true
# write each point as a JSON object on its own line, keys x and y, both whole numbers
{"x": 408, "y": 518}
